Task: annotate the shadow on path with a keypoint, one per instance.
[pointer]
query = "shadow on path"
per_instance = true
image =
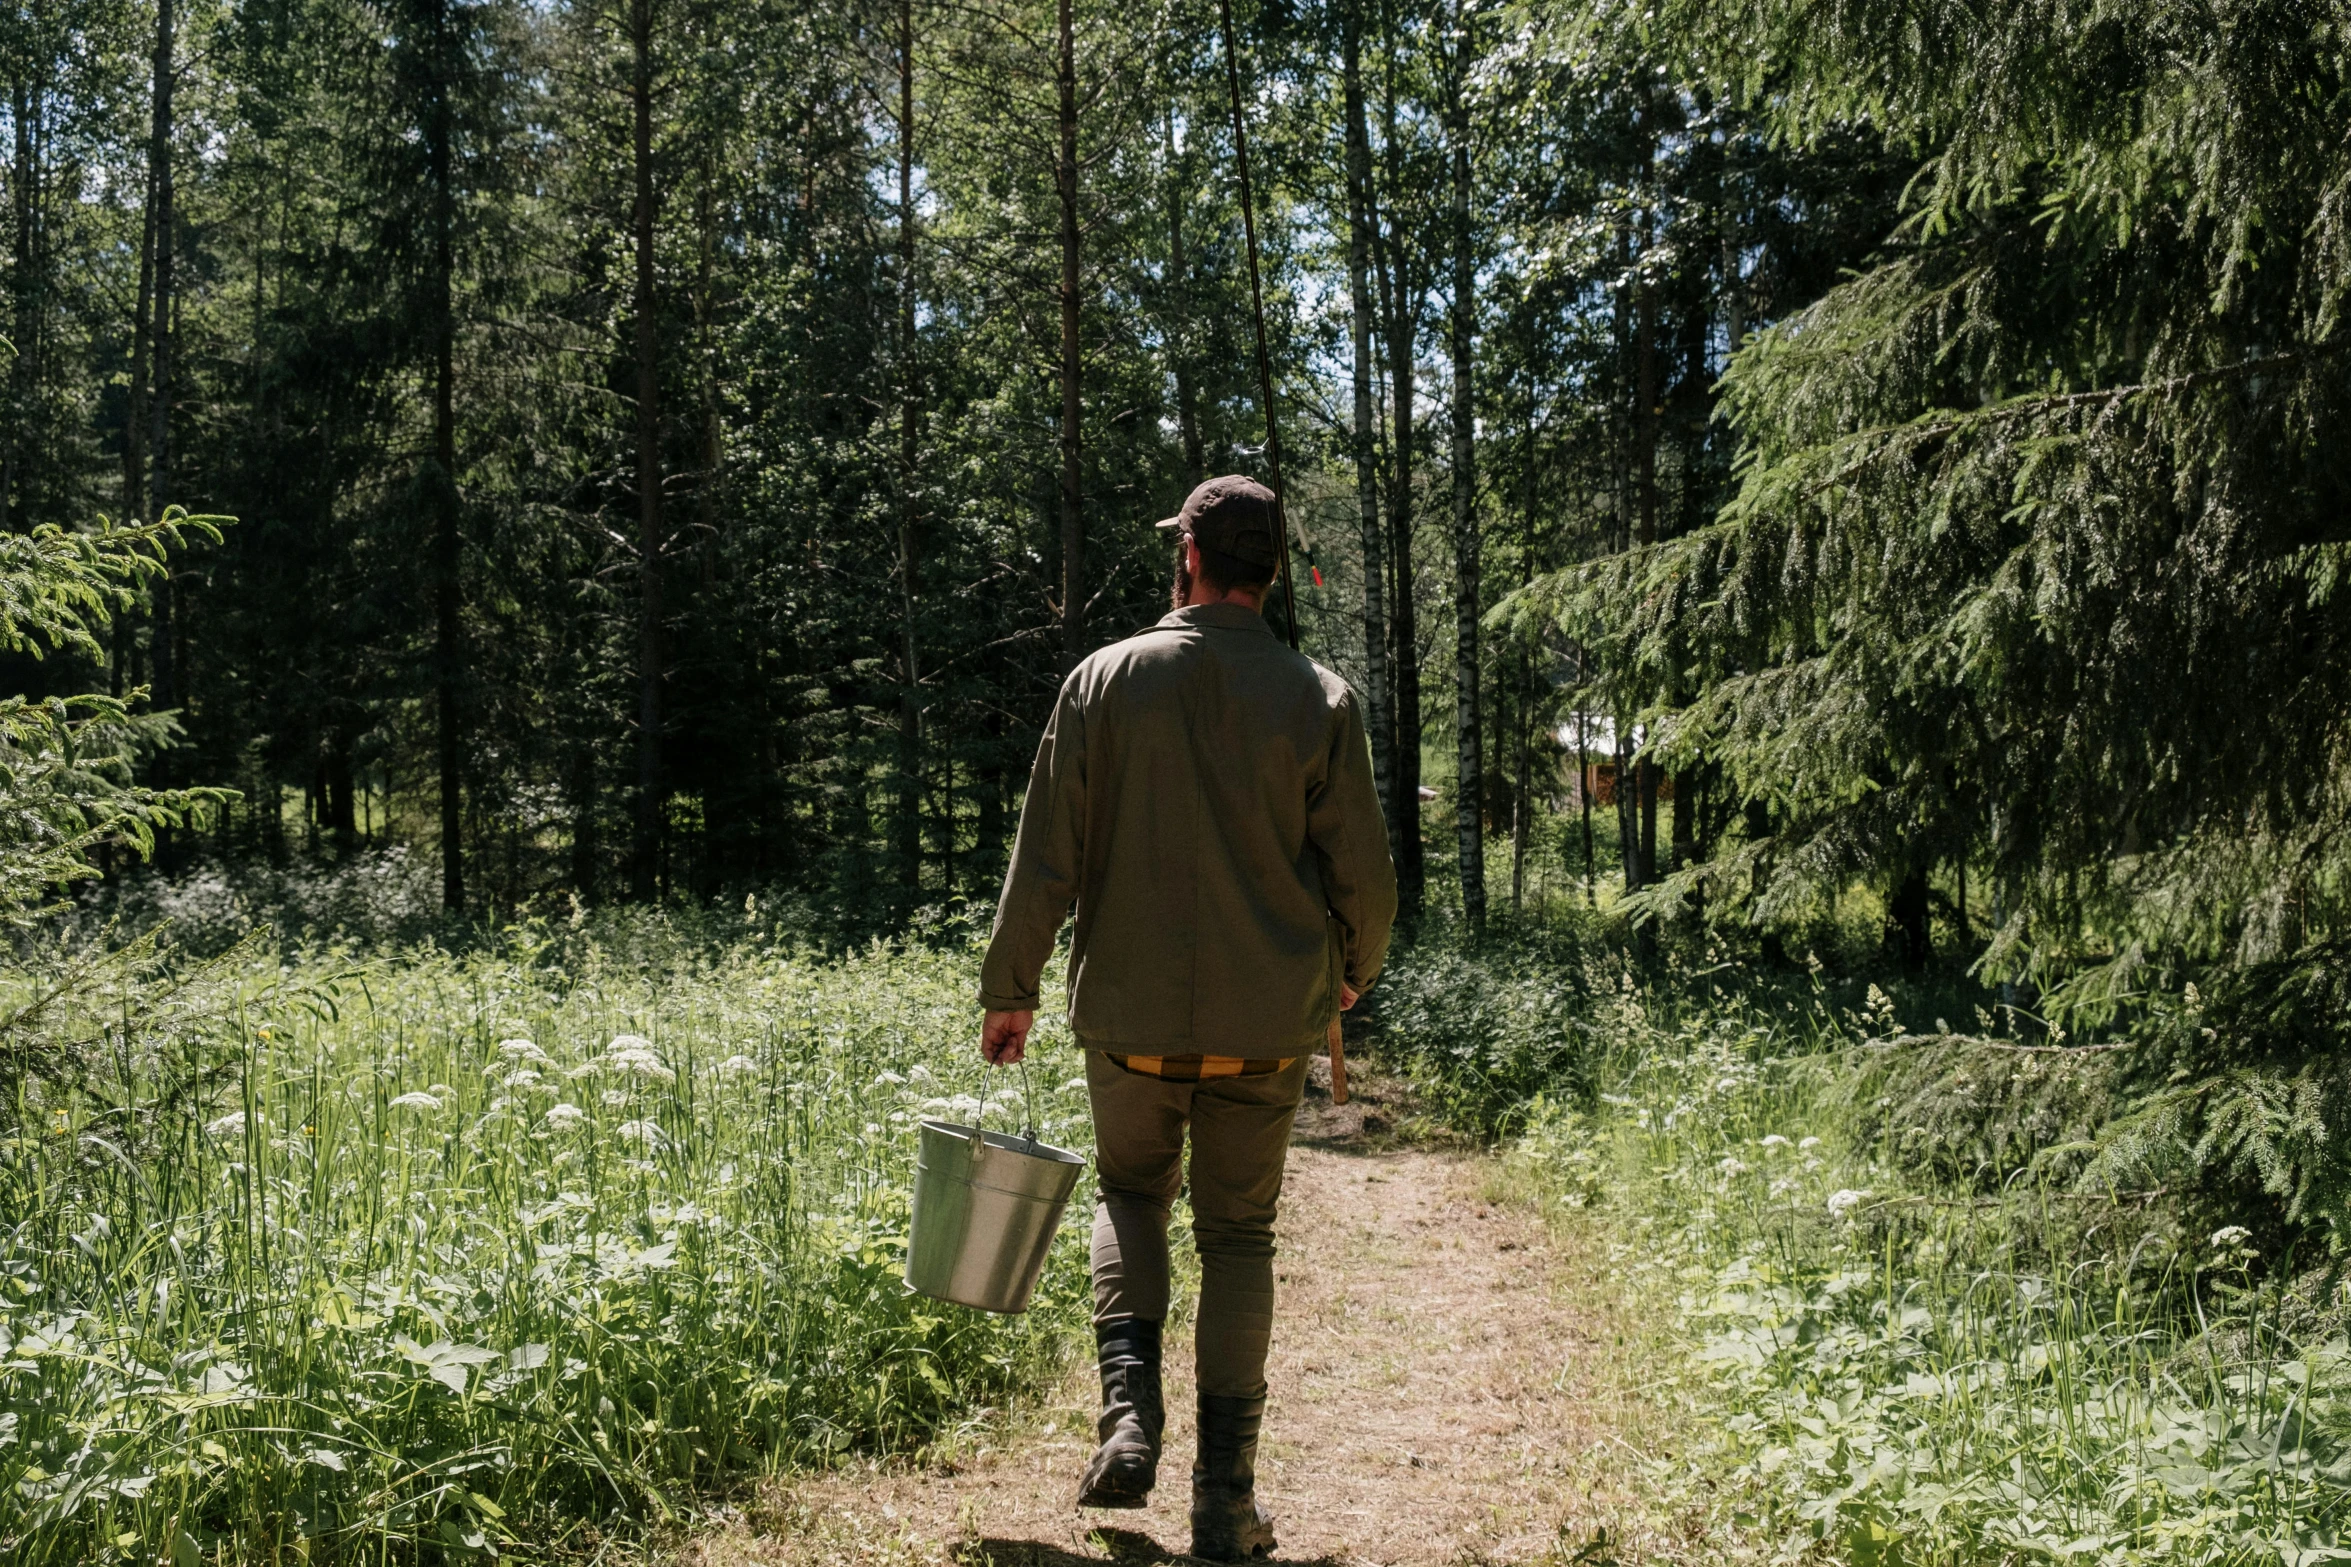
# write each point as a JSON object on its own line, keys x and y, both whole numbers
{"x": 1127, "y": 1547}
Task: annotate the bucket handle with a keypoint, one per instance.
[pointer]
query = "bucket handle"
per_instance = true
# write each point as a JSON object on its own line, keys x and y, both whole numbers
{"x": 1028, "y": 1097}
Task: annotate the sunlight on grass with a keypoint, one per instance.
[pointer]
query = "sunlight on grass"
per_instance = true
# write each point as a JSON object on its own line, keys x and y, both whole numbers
{"x": 459, "y": 1250}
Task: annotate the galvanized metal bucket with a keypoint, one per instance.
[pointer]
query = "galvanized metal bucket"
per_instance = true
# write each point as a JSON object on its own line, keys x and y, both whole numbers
{"x": 986, "y": 1206}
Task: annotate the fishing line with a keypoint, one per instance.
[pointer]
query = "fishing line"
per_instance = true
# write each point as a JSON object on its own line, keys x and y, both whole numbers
{"x": 1273, "y": 435}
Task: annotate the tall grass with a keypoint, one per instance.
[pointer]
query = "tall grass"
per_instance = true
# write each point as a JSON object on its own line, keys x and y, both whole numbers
{"x": 440, "y": 1255}
{"x": 1901, "y": 1370}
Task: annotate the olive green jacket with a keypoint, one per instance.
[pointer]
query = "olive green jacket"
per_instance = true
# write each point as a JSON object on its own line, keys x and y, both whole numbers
{"x": 1204, "y": 796}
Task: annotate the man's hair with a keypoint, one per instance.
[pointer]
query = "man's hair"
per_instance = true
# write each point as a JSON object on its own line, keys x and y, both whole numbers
{"x": 1225, "y": 572}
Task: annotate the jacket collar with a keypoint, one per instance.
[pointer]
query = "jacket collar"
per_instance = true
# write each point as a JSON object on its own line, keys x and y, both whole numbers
{"x": 1223, "y": 617}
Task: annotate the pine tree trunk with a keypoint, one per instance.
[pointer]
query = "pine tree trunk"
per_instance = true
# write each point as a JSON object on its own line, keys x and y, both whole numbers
{"x": 1908, "y": 929}
{"x": 1468, "y": 544}
{"x": 1401, "y": 297}
{"x": 134, "y": 425}
{"x": 1645, "y": 483}
{"x": 1584, "y": 782}
{"x": 1179, "y": 289}
{"x": 446, "y": 548}
{"x": 163, "y": 647}
{"x": 1685, "y": 819}
{"x": 1522, "y": 787}
{"x": 910, "y": 688}
{"x": 1367, "y": 498}
{"x": 1628, "y": 806}
{"x": 342, "y": 815}
{"x": 1073, "y": 521}
{"x": 645, "y": 870}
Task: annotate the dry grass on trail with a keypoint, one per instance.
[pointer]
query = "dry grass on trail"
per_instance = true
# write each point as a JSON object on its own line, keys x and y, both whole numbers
{"x": 1450, "y": 1385}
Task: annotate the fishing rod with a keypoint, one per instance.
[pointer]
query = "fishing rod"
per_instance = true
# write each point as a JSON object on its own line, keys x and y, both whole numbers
{"x": 1273, "y": 435}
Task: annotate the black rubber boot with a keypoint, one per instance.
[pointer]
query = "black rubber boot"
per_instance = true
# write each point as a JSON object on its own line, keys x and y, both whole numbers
{"x": 1227, "y": 1523}
{"x": 1126, "y": 1465}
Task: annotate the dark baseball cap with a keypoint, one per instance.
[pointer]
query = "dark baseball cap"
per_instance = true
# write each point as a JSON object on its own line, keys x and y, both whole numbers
{"x": 1233, "y": 516}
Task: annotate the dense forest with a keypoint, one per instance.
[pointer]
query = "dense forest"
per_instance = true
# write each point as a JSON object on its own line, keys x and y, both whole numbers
{"x": 679, "y": 446}
{"x": 675, "y": 450}
{"x": 1835, "y": 515}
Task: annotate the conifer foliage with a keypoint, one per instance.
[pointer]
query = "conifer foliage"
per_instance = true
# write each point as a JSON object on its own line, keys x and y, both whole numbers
{"x": 2034, "y": 562}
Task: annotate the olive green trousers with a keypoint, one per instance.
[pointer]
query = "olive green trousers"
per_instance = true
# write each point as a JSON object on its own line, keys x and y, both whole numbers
{"x": 1240, "y": 1135}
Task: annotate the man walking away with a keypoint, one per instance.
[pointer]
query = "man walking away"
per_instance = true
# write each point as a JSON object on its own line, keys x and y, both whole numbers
{"x": 1204, "y": 796}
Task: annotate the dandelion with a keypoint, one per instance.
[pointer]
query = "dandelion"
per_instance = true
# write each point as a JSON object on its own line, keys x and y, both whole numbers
{"x": 416, "y": 1101}
{"x": 564, "y": 1116}
{"x": 1845, "y": 1201}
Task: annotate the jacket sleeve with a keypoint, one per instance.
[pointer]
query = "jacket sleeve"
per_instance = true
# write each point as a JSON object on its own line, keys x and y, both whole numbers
{"x": 1350, "y": 836}
{"x": 1047, "y": 856}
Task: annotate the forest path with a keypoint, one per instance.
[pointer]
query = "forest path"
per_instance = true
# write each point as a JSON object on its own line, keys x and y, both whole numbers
{"x": 1441, "y": 1394}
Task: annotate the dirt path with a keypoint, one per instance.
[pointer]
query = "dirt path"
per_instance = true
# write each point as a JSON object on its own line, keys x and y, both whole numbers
{"x": 1434, "y": 1400}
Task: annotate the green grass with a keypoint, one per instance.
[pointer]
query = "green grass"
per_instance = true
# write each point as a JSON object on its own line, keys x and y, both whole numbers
{"x": 429, "y": 1257}
{"x": 1891, "y": 1369}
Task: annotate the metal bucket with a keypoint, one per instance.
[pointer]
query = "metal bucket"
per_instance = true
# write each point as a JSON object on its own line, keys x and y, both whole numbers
{"x": 986, "y": 1206}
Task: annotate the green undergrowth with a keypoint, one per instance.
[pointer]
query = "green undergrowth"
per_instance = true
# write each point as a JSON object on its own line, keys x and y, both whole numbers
{"x": 444, "y": 1258}
{"x": 1888, "y": 1361}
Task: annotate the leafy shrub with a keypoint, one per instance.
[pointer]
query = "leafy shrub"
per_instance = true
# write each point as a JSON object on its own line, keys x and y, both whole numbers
{"x": 1905, "y": 1362}
{"x": 1484, "y": 1030}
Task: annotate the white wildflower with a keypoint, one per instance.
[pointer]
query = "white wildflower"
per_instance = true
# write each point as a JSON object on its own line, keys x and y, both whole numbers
{"x": 639, "y": 1132}
{"x": 634, "y": 1054}
{"x": 523, "y": 1077}
{"x": 737, "y": 1066}
{"x": 1809, "y": 1142}
{"x": 230, "y": 1125}
{"x": 566, "y": 1115}
{"x": 1732, "y": 1167}
{"x": 416, "y": 1101}
{"x": 918, "y": 1074}
{"x": 1775, "y": 1140}
{"x": 613, "y": 1096}
{"x": 1845, "y": 1201}
{"x": 2229, "y": 1235}
{"x": 891, "y": 1079}
{"x": 520, "y": 1050}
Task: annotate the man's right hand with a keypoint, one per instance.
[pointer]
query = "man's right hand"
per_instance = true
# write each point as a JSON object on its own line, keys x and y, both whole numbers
{"x": 1004, "y": 1037}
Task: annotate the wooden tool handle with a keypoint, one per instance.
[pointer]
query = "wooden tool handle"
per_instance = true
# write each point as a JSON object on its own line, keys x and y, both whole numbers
{"x": 1338, "y": 1065}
